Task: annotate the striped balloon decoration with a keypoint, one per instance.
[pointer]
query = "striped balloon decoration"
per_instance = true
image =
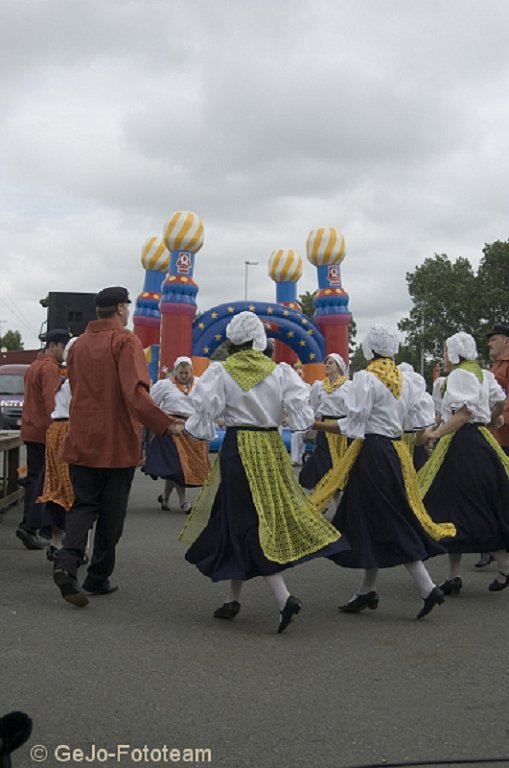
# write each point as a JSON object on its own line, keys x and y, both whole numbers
{"x": 285, "y": 265}
{"x": 184, "y": 232}
{"x": 325, "y": 246}
{"x": 154, "y": 255}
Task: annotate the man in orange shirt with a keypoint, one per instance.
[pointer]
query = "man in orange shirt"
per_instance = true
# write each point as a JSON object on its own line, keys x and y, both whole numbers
{"x": 41, "y": 383}
{"x": 499, "y": 354}
{"x": 110, "y": 386}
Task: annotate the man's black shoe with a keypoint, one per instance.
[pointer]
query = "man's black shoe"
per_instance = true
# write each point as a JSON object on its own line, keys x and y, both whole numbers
{"x": 29, "y": 539}
{"x": 69, "y": 588}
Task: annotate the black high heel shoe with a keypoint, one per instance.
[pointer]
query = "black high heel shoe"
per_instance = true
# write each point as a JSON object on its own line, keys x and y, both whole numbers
{"x": 498, "y": 586}
{"x": 227, "y": 610}
{"x": 451, "y": 586}
{"x": 292, "y": 606}
{"x": 369, "y": 600}
{"x": 164, "y": 503}
{"x": 435, "y": 597}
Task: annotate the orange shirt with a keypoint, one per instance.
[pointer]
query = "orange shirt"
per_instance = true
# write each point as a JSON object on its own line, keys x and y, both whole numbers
{"x": 41, "y": 383}
{"x": 500, "y": 368}
{"x": 109, "y": 398}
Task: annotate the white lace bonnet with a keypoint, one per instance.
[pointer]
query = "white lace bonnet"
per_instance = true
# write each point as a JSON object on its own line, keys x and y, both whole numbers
{"x": 381, "y": 340}
{"x": 245, "y": 327}
{"x": 461, "y": 345}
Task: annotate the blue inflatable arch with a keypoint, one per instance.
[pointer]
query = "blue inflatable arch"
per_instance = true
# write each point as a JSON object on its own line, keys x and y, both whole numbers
{"x": 287, "y": 325}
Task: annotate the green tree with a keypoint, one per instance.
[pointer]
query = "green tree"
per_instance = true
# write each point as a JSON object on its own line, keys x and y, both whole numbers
{"x": 306, "y": 302}
{"x": 493, "y": 285}
{"x": 445, "y": 300}
{"x": 11, "y": 340}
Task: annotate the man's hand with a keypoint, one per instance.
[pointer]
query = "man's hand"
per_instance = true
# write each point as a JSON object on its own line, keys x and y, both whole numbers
{"x": 176, "y": 426}
{"x": 497, "y": 423}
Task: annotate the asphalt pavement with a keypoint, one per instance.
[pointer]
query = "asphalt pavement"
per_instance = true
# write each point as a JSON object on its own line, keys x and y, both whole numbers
{"x": 148, "y": 669}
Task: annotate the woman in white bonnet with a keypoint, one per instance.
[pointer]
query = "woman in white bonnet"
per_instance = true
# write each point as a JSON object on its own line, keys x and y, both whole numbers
{"x": 182, "y": 461}
{"x": 466, "y": 477}
{"x": 252, "y": 518}
{"x": 380, "y": 512}
{"x": 328, "y": 403}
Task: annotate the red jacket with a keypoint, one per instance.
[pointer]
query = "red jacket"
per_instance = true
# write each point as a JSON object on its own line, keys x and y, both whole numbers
{"x": 501, "y": 370}
{"x": 41, "y": 383}
{"x": 110, "y": 397}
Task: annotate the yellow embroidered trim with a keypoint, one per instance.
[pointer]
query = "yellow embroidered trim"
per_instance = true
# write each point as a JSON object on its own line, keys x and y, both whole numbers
{"x": 200, "y": 513}
{"x": 336, "y": 478}
{"x": 329, "y": 386}
{"x": 409, "y": 439}
{"x": 496, "y": 447}
{"x": 428, "y": 472}
{"x": 289, "y": 525}
{"x": 337, "y": 445}
{"x": 249, "y": 368}
{"x": 437, "y": 531}
{"x": 388, "y": 373}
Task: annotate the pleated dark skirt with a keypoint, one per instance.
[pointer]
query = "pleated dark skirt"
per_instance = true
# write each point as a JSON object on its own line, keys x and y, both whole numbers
{"x": 374, "y": 514}
{"x": 163, "y": 460}
{"x": 229, "y": 546}
{"x": 317, "y": 465}
{"x": 471, "y": 489}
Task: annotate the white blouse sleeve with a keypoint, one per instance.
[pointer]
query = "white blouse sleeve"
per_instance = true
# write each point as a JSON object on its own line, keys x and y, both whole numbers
{"x": 314, "y": 396}
{"x": 463, "y": 388}
{"x": 157, "y": 392}
{"x": 358, "y": 403}
{"x": 296, "y": 400}
{"x": 422, "y": 412}
{"x": 208, "y": 401}
{"x": 496, "y": 393}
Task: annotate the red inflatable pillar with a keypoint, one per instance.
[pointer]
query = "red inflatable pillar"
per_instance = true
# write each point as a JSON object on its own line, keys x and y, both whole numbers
{"x": 183, "y": 237}
{"x": 147, "y": 317}
{"x": 326, "y": 250}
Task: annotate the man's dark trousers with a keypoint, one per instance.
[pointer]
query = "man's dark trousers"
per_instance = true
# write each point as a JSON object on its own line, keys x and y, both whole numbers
{"x": 102, "y": 495}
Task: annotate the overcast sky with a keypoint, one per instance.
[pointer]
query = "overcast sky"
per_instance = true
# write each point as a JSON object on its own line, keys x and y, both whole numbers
{"x": 388, "y": 119}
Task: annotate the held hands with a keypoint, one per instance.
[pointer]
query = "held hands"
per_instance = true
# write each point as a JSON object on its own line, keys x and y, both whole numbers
{"x": 497, "y": 423}
{"x": 176, "y": 426}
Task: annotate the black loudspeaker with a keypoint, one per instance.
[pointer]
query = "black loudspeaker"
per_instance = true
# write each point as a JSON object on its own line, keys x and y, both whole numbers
{"x": 70, "y": 310}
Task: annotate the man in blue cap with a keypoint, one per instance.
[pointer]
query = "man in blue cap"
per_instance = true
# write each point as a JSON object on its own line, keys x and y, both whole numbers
{"x": 41, "y": 383}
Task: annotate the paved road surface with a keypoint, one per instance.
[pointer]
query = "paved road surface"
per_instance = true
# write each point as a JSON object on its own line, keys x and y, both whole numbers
{"x": 150, "y": 666}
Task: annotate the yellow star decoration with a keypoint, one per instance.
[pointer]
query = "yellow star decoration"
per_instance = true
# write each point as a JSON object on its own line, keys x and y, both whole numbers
{"x": 290, "y": 334}
{"x": 252, "y": 308}
{"x": 172, "y": 278}
{"x": 201, "y": 326}
{"x": 327, "y": 291}
{"x": 206, "y": 350}
{"x": 214, "y": 315}
{"x": 304, "y": 321}
{"x": 230, "y": 309}
{"x": 285, "y": 313}
{"x": 302, "y": 343}
{"x": 312, "y": 356}
{"x": 218, "y": 337}
{"x": 184, "y": 279}
{"x": 269, "y": 310}
{"x": 145, "y": 294}
{"x": 309, "y": 331}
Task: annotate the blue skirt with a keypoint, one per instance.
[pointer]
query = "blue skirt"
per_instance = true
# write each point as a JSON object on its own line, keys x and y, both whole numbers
{"x": 229, "y": 546}
{"x": 163, "y": 460}
{"x": 471, "y": 489}
{"x": 317, "y": 465}
{"x": 374, "y": 513}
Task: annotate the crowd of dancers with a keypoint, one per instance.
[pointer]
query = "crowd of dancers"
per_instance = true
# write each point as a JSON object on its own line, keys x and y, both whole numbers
{"x": 408, "y": 475}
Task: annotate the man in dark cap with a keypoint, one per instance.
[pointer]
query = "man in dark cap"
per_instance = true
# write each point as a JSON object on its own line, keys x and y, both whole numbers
{"x": 41, "y": 383}
{"x": 110, "y": 386}
{"x": 498, "y": 341}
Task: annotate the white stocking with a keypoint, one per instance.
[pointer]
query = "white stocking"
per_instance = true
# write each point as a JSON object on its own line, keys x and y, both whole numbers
{"x": 454, "y": 565}
{"x": 279, "y": 589}
{"x": 421, "y": 577}
{"x": 502, "y": 558}
{"x": 368, "y": 582}
{"x": 235, "y": 590}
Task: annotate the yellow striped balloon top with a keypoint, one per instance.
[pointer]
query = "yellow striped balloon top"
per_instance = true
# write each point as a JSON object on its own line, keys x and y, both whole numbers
{"x": 154, "y": 255}
{"x": 285, "y": 265}
{"x": 184, "y": 232}
{"x": 325, "y": 246}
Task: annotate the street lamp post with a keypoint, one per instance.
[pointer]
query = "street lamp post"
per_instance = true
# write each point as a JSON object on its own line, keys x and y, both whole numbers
{"x": 246, "y": 265}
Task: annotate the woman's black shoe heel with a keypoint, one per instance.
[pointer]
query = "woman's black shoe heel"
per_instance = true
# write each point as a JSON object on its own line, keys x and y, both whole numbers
{"x": 369, "y": 600}
{"x": 451, "y": 586}
{"x": 435, "y": 597}
{"x": 498, "y": 586}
